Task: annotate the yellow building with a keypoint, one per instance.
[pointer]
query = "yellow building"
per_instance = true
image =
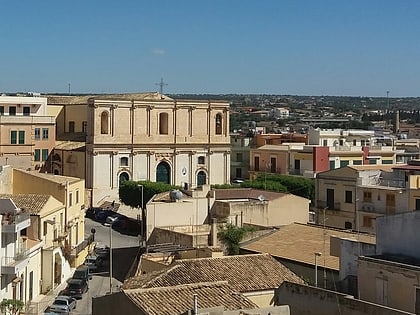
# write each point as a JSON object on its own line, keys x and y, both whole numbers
{"x": 68, "y": 222}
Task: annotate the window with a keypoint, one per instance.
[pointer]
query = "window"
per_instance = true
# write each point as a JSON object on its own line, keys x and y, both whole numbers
{"x": 372, "y": 161}
{"x": 357, "y": 162}
{"x": 417, "y": 206}
{"x": 218, "y": 124}
{"x": 256, "y": 163}
{"x": 239, "y": 157}
{"x": 367, "y": 196}
{"x": 71, "y": 126}
{"x": 37, "y": 133}
{"x": 332, "y": 165}
{"x": 362, "y": 143}
{"x": 238, "y": 172}
{"x": 77, "y": 196}
{"x": 1, "y": 110}
{"x": 348, "y": 225}
{"x": 124, "y": 161}
{"x": 201, "y": 160}
{"x": 104, "y": 123}
{"x": 325, "y": 143}
{"x": 44, "y": 154}
{"x": 21, "y": 137}
{"x": 37, "y": 155}
{"x": 12, "y": 111}
{"x": 341, "y": 142}
{"x": 84, "y": 126}
{"x": 26, "y": 111}
{"x": 344, "y": 163}
{"x": 70, "y": 199}
{"x": 367, "y": 221}
{"x": 354, "y": 142}
{"x": 386, "y": 161}
{"x": 349, "y": 196}
{"x": 44, "y": 133}
{"x": 13, "y": 137}
{"x": 163, "y": 123}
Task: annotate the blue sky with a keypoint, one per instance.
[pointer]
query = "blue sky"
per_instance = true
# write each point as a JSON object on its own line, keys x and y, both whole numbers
{"x": 358, "y": 47}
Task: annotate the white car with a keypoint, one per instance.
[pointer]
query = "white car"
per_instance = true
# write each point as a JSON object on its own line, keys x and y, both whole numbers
{"x": 63, "y": 304}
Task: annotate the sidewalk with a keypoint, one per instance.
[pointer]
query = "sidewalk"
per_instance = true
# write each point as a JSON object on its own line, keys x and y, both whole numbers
{"x": 39, "y": 304}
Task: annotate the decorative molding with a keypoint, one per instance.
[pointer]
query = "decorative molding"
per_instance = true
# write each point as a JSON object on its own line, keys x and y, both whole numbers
{"x": 114, "y": 106}
{"x": 150, "y": 107}
{"x": 151, "y": 152}
{"x": 114, "y": 152}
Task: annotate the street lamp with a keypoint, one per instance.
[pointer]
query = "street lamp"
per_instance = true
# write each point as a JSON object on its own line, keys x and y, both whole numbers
{"x": 110, "y": 257}
{"x": 316, "y": 254}
{"x": 142, "y": 214}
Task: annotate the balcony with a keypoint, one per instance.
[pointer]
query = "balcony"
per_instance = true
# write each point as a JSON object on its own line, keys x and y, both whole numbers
{"x": 14, "y": 265}
{"x": 13, "y": 223}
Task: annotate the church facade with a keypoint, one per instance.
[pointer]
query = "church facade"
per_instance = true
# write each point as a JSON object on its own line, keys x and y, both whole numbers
{"x": 156, "y": 138}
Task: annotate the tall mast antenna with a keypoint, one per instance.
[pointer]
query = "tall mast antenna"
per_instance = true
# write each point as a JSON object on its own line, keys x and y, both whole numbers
{"x": 161, "y": 85}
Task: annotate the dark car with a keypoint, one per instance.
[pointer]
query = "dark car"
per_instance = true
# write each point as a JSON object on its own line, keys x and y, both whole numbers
{"x": 102, "y": 251}
{"x": 101, "y": 215}
{"x": 75, "y": 288}
{"x": 83, "y": 273}
{"x": 91, "y": 212}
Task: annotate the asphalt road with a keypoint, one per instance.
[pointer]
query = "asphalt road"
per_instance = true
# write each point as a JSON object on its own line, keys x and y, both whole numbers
{"x": 124, "y": 252}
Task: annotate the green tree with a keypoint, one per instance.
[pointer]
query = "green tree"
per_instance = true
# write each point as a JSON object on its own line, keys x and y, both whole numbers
{"x": 130, "y": 191}
{"x": 231, "y": 235}
{"x": 11, "y": 306}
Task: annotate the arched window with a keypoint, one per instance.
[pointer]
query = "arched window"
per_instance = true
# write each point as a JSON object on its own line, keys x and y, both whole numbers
{"x": 123, "y": 177}
{"x": 163, "y": 172}
{"x": 219, "y": 124}
{"x": 201, "y": 178}
{"x": 104, "y": 123}
{"x": 124, "y": 161}
{"x": 163, "y": 123}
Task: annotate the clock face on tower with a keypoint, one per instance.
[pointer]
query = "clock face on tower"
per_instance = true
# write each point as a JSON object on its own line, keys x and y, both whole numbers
{"x": 184, "y": 171}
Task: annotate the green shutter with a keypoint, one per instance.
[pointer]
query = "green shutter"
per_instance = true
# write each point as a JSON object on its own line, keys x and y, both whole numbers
{"x": 21, "y": 137}
{"x": 13, "y": 137}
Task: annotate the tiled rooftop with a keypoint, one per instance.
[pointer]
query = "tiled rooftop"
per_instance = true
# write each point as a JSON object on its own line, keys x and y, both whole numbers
{"x": 180, "y": 299}
{"x": 299, "y": 242}
{"x": 33, "y": 203}
{"x": 244, "y": 273}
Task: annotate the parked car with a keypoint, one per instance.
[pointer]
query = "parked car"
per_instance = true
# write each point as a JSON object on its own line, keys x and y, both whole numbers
{"x": 82, "y": 272}
{"x": 102, "y": 251}
{"x": 75, "y": 288}
{"x": 102, "y": 214}
{"x": 93, "y": 262}
{"x": 63, "y": 304}
{"x": 91, "y": 212}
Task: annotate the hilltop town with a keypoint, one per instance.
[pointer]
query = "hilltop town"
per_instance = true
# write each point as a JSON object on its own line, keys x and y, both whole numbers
{"x": 209, "y": 204}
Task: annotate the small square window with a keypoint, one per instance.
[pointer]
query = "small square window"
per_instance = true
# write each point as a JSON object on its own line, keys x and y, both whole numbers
{"x": 26, "y": 111}
{"x": 12, "y": 111}
{"x": 201, "y": 160}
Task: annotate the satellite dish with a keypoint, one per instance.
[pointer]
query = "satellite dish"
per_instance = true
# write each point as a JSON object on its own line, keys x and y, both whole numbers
{"x": 261, "y": 198}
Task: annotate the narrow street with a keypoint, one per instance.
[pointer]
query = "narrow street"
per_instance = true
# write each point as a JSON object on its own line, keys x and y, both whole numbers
{"x": 124, "y": 250}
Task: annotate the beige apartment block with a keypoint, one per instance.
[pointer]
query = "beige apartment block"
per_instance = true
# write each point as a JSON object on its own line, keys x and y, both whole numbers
{"x": 69, "y": 224}
{"x": 27, "y": 132}
{"x": 153, "y": 137}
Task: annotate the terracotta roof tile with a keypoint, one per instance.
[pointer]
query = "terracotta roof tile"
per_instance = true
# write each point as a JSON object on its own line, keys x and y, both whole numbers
{"x": 244, "y": 273}
{"x": 33, "y": 203}
{"x": 299, "y": 242}
{"x": 180, "y": 299}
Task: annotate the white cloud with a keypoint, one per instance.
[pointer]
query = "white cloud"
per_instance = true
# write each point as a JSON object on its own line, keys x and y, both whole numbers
{"x": 158, "y": 51}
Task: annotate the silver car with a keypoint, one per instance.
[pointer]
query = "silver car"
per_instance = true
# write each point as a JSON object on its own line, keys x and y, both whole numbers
{"x": 63, "y": 304}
